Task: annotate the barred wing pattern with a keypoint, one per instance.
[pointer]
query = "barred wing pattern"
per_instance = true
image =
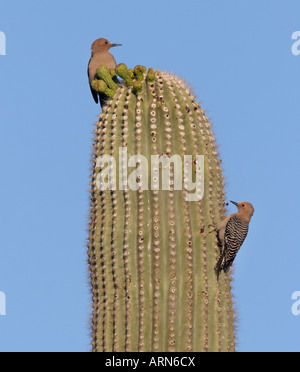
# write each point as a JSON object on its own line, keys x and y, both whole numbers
{"x": 235, "y": 234}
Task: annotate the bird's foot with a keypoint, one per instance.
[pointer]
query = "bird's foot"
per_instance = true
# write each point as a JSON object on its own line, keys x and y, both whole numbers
{"x": 214, "y": 230}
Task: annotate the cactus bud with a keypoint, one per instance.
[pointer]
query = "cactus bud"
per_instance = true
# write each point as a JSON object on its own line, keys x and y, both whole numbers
{"x": 150, "y": 75}
{"x": 101, "y": 87}
{"x": 138, "y": 86}
{"x": 123, "y": 72}
{"x": 104, "y": 74}
{"x": 131, "y": 73}
{"x": 139, "y": 72}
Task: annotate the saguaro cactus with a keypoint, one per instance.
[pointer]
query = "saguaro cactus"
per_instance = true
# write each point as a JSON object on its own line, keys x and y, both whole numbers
{"x": 150, "y": 255}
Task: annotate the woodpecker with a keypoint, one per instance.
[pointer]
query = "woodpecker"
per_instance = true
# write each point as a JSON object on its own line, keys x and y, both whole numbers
{"x": 231, "y": 234}
{"x": 100, "y": 56}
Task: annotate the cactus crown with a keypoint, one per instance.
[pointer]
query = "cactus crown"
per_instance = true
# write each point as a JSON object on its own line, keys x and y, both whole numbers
{"x": 151, "y": 260}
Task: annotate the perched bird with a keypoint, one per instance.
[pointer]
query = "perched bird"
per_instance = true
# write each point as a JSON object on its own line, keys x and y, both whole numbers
{"x": 231, "y": 234}
{"x": 100, "y": 56}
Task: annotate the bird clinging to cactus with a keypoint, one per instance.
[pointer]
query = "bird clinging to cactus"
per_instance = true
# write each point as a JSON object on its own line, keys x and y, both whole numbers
{"x": 231, "y": 234}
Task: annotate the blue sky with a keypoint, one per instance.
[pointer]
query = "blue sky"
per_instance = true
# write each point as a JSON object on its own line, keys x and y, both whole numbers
{"x": 237, "y": 57}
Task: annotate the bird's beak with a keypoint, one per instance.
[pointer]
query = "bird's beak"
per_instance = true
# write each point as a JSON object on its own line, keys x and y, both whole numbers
{"x": 237, "y": 204}
{"x": 114, "y": 45}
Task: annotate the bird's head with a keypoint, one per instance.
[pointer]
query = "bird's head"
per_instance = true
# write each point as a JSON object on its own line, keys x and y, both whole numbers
{"x": 101, "y": 45}
{"x": 246, "y": 209}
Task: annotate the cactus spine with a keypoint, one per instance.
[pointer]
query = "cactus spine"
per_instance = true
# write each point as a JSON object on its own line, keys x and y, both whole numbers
{"x": 151, "y": 260}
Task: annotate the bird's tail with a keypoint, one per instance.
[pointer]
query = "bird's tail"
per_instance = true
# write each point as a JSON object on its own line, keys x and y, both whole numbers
{"x": 219, "y": 266}
{"x": 102, "y": 99}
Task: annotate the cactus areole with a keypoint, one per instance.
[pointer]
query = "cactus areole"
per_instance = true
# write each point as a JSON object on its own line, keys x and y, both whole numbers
{"x": 156, "y": 186}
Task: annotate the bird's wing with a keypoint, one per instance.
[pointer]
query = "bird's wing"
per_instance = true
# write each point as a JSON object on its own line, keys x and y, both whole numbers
{"x": 95, "y": 94}
{"x": 235, "y": 233}
{"x": 219, "y": 239}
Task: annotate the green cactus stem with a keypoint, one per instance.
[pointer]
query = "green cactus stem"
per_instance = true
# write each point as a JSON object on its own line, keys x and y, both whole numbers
{"x": 151, "y": 259}
{"x": 150, "y": 75}
{"x": 131, "y": 73}
{"x": 101, "y": 87}
{"x": 139, "y": 72}
{"x": 112, "y": 72}
{"x": 105, "y": 75}
{"x": 138, "y": 86}
{"x": 123, "y": 72}
{"x": 113, "y": 75}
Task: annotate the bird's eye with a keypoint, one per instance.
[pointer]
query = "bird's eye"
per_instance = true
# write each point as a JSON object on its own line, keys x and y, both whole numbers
{"x": 106, "y": 42}
{"x": 243, "y": 205}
